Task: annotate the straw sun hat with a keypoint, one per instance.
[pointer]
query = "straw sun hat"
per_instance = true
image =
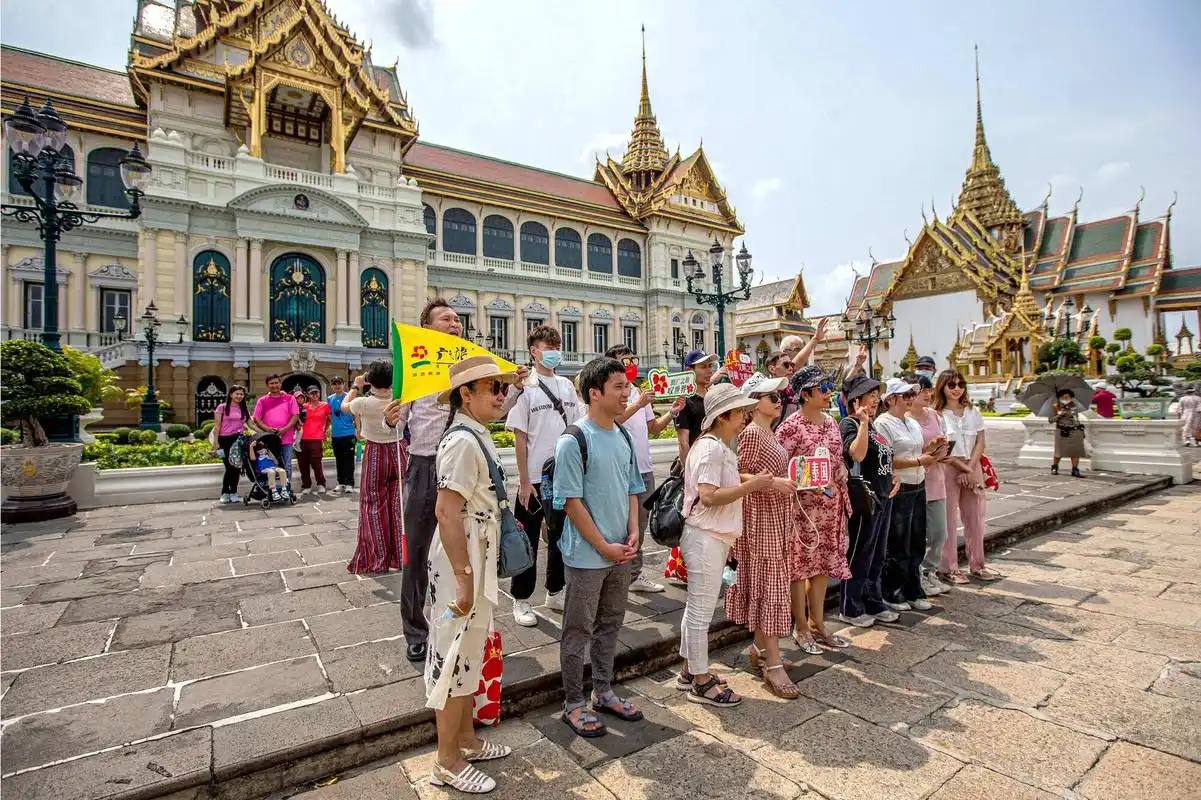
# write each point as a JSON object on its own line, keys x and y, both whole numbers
{"x": 474, "y": 369}
{"x": 722, "y": 398}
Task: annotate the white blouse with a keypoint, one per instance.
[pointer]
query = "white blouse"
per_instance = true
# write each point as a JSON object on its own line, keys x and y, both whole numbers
{"x": 962, "y": 429}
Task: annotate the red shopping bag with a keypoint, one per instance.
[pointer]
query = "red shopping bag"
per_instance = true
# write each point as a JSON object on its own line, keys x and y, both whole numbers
{"x": 486, "y": 709}
{"x": 991, "y": 481}
{"x": 675, "y": 569}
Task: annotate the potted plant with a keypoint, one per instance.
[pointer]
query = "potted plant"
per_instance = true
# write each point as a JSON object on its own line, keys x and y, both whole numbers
{"x": 36, "y": 386}
{"x": 100, "y": 386}
{"x": 1134, "y": 373}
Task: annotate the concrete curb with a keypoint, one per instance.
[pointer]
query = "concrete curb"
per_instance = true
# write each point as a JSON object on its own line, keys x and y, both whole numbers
{"x": 346, "y": 749}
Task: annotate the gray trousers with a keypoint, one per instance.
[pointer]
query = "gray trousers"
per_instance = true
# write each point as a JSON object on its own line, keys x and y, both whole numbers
{"x": 420, "y": 495}
{"x": 648, "y": 480}
{"x": 936, "y": 533}
{"x": 595, "y": 608}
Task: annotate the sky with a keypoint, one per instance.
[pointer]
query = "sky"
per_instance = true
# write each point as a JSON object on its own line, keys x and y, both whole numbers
{"x": 830, "y": 125}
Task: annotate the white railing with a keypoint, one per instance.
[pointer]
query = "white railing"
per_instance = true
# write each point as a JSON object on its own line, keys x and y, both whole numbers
{"x": 499, "y": 263}
{"x": 304, "y": 177}
{"x": 603, "y": 277}
{"x": 567, "y": 272}
{"x": 627, "y": 281}
{"x": 382, "y": 192}
{"x": 206, "y": 161}
{"x": 459, "y": 258}
{"x": 537, "y": 269}
{"x": 113, "y": 355}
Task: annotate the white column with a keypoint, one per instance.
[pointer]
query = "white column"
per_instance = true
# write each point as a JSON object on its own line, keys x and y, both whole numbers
{"x": 183, "y": 286}
{"x": 148, "y": 265}
{"x": 342, "y": 283}
{"x": 79, "y": 289}
{"x": 479, "y": 235}
{"x": 256, "y": 279}
{"x": 353, "y": 298}
{"x": 238, "y": 287}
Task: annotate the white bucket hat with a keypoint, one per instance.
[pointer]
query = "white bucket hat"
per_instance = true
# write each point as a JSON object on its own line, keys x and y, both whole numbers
{"x": 761, "y": 384}
{"x": 896, "y": 386}
{"x": 473, "y": 369}
{"x": 722, "y": 398}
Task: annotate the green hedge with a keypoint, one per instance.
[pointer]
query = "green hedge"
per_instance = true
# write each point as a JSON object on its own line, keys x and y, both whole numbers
{"x": 8, "y": 436}
{"x": 121, "y": 435}
{"x": 177, "y": 431}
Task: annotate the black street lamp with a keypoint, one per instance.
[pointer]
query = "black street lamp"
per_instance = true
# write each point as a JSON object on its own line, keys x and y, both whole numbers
{"x": 717, "y": 298}
{"x": 151, "y": 415}
{"x": 1052, "y": 327}
{"x": 680, "y": 348}
{"x": 42, "y": 168}
{"x": 182, "y": 324}
{"x": 868, "y": 327}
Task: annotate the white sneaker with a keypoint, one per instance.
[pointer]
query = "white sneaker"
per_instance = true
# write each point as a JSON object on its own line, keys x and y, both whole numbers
{"x": 922, "y": 604}
{"x": 336, "y": 491}
{"x": 887, "y": 616}
{"x": 305, "y": 492}
{"x": 898, "y": 606}
{"x": 931, "y": 586}
{"x": 555, "y": 601}
{"x": 224, "y": 500}
{"x": 233, "y": 498}
{"x": 523, "y": 614}
{"x": 862, "y": 621}
{"x": 351, "y": 490}
{"x": 641, "y": 584}
{"x": 945, "y": 587}
{"x": 320, "y": 490}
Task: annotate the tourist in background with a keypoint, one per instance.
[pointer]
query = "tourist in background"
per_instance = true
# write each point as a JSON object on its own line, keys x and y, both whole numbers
{"x": 1104, "y": 401}
{"x": 934, "y": 441}
{"x": 463, "y": 590}
{"x": 821, "y": 515}
{"x": 378, "y": 548}
{"x": 342, "y": 434}
{"x": 964, "y": 479}
{"x": 796, "y": 354}
{"x": 712, "y": 506}
{"x": 869, "y": 460}
{"x": 688, "y": 429}
{"x": 901, "y": 582}
{"x": 768, "y": 564}
{"x": 230, "y": 420}
{"x": 313, "y": 430}
{"x": 278, "y": 415}
{"x": 1069, "y": 432}
{"x": 1190, "y": 413}
{"x": 925, "y": 367}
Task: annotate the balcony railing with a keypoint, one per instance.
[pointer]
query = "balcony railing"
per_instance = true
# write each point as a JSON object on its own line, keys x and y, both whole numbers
{"x": 301, "y": 176}
{"x": 206, "y": 161}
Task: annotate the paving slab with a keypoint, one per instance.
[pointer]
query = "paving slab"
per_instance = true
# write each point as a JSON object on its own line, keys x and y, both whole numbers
{"x": 890, "y": 646}
{"x": 876, "y": 694}
{"x": 1122, "y": 666}
{"x": 329, "y": 574}
{"x": 174, "y": 625}
{"x": 247, "y": 746}
{"x": 372, "y": 591}
{"x": 261, "y": 609}
{"x": 381, "y": 783}
{"x": 266, "y": 562}
{"x": 44, "y": 688}
{"x": 127, "y": 604}
{"x": 362, "y": 666}
{"x": 1031, "y": 750}
{"x": 622, "y": 739}
{"x": 1138, "y": 773}
{"x": 30, "y": 619}
{"x": 1161, "y": 610}
{"x": 356, "y": 625}
{"x": 538, "y": 772}
{"x": 253, "y": 689}
{"x": 63, "y": 643}
{"x": 977, "y": 783}
{"x": 1000, "y": 679}
{"x": 1057, "y": 622}
{"x": 1180, "y": 680}
{"x": 218, "y": 653}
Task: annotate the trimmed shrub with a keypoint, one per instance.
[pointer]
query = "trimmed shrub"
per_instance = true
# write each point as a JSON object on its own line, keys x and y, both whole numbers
{"x": 8, "y": 436}
{"x": 178, "y": 431}
{"x": 145, "y": 437}
{"x": 121, "y": 435}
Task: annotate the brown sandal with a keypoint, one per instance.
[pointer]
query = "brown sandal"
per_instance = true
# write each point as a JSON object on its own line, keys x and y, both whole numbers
{"x": 787, "y": 691}
{"x": 757, "y": 660}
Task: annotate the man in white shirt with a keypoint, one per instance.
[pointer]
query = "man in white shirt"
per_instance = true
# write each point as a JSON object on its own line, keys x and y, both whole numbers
{"x": 545, "y": 408}
{"x": 640, "y": 422}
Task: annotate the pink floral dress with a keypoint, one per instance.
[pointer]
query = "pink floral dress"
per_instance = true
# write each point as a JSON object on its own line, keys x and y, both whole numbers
{"x": 820, "y": 521}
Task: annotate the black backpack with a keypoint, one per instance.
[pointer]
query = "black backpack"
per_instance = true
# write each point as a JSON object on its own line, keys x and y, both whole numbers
{"x": 555, "y": 517}
{"x": 666, "y": 506}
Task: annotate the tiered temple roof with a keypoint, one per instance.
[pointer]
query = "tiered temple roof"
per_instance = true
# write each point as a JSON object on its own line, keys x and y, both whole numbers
{"x": 775, "y": 308}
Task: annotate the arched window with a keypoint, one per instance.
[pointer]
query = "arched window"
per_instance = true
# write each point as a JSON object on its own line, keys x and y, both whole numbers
{"x": 210, "y": 297}
{"x": 629, "y": 258}
{"x": 535, "y": 243}
{"x": 104, "y": 178}
{"x": 458, "y": 231}
{"x": 567, "y": 249}
{"x": 15, "y": 188}
{"x": 431, "y": 225}
{"x": 600, "y": 253}
{"x": 297, "y": 299}
{"x": 210, "y": 393}
{"x": 498, "y": 237}
{"x": 373, "y": 315}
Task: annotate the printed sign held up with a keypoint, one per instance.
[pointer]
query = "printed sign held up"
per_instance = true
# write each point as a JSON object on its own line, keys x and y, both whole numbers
{"x": 666, "y": 384}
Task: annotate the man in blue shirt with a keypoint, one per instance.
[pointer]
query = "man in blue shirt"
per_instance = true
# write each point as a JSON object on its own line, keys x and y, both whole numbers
{"x": 343, "y": 433}
{"x": 600, "y": 539}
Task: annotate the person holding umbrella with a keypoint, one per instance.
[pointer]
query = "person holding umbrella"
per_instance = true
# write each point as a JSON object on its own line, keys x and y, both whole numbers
{"x": 1069, "y": 439}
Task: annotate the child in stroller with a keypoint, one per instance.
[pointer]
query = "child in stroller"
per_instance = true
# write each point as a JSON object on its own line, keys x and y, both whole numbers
{"x": 269, "y": 481}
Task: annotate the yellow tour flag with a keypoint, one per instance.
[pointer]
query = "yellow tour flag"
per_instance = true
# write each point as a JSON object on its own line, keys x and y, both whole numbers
{"x": 422, "y": 358}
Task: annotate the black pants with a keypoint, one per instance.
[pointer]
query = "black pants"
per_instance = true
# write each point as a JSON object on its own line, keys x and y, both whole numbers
{"x": 531, "y": 520}
{"x": 902, "y": 581}
{"x": 861, "y": 594}
{"x": 420, "y": 496}
{"x": 229, "y": 481}
{"x": 344, "y": 459}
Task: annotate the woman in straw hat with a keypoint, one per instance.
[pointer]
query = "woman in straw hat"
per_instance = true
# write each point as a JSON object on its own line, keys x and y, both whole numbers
{"x": 462, "y": 570}
{"x": 713, "y": 492}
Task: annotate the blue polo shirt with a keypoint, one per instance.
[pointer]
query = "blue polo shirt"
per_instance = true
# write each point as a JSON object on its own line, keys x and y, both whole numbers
{"x": 342, "y": 422}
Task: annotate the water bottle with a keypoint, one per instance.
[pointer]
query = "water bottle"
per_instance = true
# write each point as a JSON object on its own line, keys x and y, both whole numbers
{"x": 729, "y": 576}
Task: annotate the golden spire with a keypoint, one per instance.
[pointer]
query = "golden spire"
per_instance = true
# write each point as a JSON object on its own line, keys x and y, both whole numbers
{"x": 911, "y": 353}
{"x": 1024, "y": 300}
{"x": 984, "y": 192}
{"x": 645, "y": 157}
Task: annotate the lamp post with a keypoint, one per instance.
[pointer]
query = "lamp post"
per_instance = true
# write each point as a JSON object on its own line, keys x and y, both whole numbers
{"x": 42, "y": 168}
{"x": 680, "y": 348}
{"x": 151, "y": 416}
{"x": 1051, "y": 325}
{"x": 717, "y": 298}
{"x": 868, "y": 327}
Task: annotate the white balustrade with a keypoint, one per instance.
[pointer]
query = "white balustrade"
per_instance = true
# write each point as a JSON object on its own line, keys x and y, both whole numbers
{"x": 382, "y": 192}
{"x": 502, "y": 264}
{"x": 459, "y": 258}
{"x": 627, "y": 281}
{"x": 536, "y": 269}
{"x": 301, "y": 176}
{"x": 207, "y": 161}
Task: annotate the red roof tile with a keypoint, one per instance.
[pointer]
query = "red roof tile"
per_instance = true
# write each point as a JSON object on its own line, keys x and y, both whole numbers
{"x": 68, "y": 77}
{"x": 471, "y": 165}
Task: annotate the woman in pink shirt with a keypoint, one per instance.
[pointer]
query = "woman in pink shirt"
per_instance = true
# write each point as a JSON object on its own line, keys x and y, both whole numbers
{"x": 930, "y": 421}
{"x": 229, "y": 421}
{"x": 312, "y": 441}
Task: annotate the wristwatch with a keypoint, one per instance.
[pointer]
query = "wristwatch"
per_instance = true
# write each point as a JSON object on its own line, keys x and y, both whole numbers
{"x": 464, "y": 571}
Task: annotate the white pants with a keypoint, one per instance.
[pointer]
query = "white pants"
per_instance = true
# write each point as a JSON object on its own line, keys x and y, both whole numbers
{"x": 705, "y": 557}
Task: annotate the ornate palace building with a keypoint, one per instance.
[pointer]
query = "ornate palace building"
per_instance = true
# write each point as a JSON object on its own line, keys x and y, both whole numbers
{"x": 293, "y": 211}
{"x": 976, "y": 289}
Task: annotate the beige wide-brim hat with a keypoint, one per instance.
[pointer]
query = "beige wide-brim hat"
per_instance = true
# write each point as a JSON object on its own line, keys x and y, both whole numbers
{"x": 722, "y": 398}
{"x": 474, "y": 369}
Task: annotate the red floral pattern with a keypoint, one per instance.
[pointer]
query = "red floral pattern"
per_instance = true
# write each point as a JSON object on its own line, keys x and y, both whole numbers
{"x": 675, "y": 569}
{"x": 820, "y": 521}
{"x": 486, "y": 702}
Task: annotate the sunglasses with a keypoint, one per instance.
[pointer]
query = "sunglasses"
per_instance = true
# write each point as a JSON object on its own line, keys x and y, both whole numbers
{"x": 786, "y": 364}
{"x": 956, "y": 385}
{"x": 499, "y": 388}
{"x": 627, "y": 361}
{"x": 772, "y": 396}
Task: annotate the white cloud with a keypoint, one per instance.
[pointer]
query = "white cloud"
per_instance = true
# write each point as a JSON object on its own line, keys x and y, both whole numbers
{"x": 830, "y": 288}
{"x": 1111, "y": 171}
{"x": 765, "y": 188}
{"x": 597, "y": 146}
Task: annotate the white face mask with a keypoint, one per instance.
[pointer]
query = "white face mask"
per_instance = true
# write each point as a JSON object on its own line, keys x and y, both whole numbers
{"x": 927, "y": 373}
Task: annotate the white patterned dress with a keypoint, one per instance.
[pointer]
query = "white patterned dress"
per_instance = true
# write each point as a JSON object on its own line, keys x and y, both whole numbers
{"x": 456, "y": 646}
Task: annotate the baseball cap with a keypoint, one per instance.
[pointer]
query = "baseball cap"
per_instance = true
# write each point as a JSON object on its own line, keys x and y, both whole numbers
{"x": 695, "y": 357}
{"x": 896, "y": 386}
{"x": 761, "y": 384}
{"x": 925, "y": 361}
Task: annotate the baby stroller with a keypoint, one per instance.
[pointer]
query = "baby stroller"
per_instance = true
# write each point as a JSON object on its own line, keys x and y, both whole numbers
{"x": 241, "y": 455}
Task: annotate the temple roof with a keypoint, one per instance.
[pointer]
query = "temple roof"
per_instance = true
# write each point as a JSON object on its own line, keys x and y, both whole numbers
{"x": 984, "y": 193}
{"x": 645, "y": 152}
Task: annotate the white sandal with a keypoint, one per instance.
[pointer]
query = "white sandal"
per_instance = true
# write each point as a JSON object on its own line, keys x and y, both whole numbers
{"x": 469, "y": 781}
{"x": 489, "y": 752}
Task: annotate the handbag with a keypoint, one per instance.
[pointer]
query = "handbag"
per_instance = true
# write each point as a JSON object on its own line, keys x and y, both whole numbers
{"x": 991, "y": 481}
{"x": 864, "y": 500}
{"x": 514, "y": 555}
{"x": 486, "y": 700}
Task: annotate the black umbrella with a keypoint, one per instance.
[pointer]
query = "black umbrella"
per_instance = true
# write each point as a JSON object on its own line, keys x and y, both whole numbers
{"x": 1040, "y": 396}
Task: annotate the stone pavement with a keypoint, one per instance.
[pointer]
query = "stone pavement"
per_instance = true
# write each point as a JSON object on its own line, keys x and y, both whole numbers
{"x": 156, "y": 648}
{"x": 1079, "y": 676}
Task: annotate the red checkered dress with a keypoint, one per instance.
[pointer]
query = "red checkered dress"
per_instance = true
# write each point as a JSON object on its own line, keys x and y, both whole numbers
{"x": 760, "y": 598}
